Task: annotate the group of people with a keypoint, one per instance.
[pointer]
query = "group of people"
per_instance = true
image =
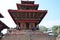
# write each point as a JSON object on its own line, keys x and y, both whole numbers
{"x": 35, "y": 28}
{"x": 1, "y": 35}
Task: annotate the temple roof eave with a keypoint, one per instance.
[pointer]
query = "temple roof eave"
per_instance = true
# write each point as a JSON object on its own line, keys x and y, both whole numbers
{"x": 38, "y": 11}
{"x": 28, "y": 21}
{"x": 27, "y": 4}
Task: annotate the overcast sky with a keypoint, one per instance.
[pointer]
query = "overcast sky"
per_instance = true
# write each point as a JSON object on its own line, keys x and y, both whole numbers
{"x": 52, "y": 17}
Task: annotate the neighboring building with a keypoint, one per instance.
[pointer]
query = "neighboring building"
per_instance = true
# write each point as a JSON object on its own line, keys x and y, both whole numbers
{"x": 58, "y": 37}
{"x": 50, "y": 31}
{"x": 1, "y": 16}
{"x": 27, "y": 17}
{"x": 2, "y": 26}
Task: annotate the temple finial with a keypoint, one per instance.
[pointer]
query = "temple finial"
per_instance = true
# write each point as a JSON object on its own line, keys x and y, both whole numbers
{"x": 27, "y": 0}
{"x": 24, "y": 0}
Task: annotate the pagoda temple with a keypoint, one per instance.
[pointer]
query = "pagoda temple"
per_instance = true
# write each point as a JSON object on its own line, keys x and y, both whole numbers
{"x": 2, "y": 25}
{"x": 27, "y": 16}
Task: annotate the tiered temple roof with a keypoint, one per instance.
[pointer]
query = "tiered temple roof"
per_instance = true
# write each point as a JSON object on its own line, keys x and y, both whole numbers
{"x": 27, "y": 14}
{"x": 27, "y": 2}
{"x": 33, "y": 6}
{"x": 27, "y": 8}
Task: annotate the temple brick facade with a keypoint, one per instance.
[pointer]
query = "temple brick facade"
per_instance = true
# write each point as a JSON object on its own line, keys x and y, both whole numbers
{"x": 27, "y": 35}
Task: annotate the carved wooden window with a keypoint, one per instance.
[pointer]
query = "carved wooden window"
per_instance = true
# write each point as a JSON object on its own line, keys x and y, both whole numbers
{"x": 31, "y": 15}
{"x": 23, "y": 15}
{"x": 27, "y": 15}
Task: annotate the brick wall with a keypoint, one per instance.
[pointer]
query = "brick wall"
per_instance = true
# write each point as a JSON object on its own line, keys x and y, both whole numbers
{"x": 27, "y": 35}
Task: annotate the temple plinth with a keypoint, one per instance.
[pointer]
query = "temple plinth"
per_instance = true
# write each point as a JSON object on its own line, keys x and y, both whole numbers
{"x": 27, "y": 16}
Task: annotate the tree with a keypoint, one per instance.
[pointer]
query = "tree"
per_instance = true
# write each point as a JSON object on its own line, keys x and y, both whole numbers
{"x": 43, "y": 29}
{"x": 54, "y": 30}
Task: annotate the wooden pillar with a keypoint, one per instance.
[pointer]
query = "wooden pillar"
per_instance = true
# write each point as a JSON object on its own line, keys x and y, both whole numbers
{"x": 22, "y": 25}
